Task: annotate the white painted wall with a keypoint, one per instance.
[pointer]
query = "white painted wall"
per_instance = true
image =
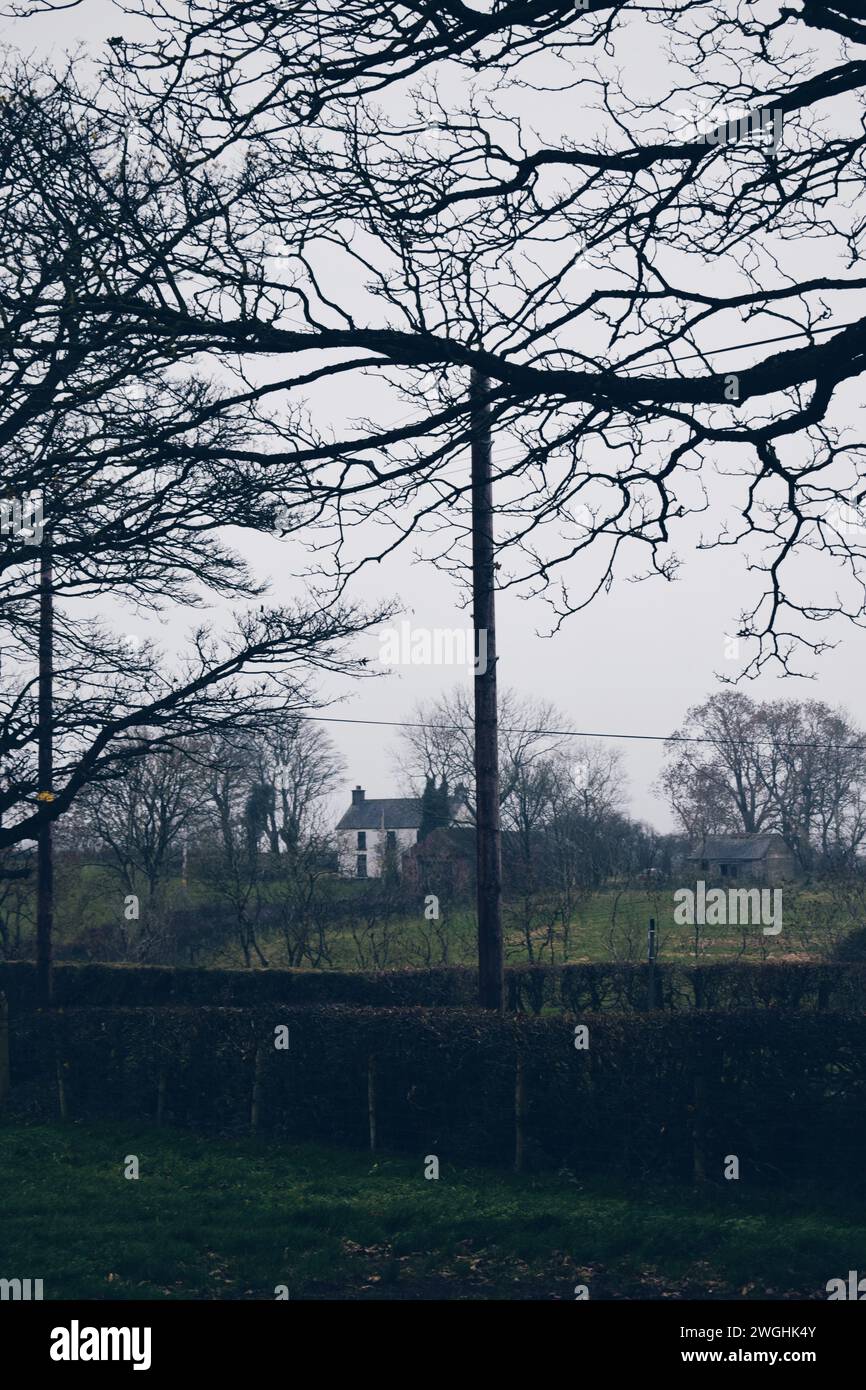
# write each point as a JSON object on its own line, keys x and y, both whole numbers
{"x": 347, "y": 850}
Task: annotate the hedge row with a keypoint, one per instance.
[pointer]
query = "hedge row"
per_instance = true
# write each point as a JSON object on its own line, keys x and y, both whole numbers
{"x": 661, "y": 1095}
{"x": 135, "y": 986}
{"x": 531, "y": 989}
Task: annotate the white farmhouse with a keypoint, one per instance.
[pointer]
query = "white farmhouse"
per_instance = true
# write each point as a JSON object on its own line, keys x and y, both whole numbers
{"x": 368, "y": 827}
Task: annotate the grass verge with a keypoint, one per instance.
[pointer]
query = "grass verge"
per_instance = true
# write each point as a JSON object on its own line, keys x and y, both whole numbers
{"x": 221, "y": 1219}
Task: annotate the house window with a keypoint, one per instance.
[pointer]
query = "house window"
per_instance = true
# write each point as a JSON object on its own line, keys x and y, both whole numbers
{"x": 392, "y": 837}
{"x": 705, "y": 864}
{"x": 361, "y": 866}
{"x": 732, "y": 871}
{"x": 724, "y": 869}
{"x": 362, "y": 839}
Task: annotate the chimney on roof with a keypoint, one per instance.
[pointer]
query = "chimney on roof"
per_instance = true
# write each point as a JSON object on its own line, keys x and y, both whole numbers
{"x": 357, "y": 796}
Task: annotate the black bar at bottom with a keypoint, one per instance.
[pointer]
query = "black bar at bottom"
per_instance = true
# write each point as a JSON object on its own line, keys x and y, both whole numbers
{"x": 242, "y": 1337}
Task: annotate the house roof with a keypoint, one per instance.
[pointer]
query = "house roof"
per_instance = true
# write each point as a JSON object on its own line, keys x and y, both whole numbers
{"x": 736, "y": 848}
{"x": 392, "y": 812}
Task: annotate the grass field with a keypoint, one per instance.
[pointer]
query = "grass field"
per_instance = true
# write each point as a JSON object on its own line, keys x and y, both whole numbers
{"x": 216, "y": 1219}
{"x": 610, "y": 925}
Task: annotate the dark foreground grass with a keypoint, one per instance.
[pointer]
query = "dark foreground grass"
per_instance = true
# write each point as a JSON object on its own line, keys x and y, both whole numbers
{"x": 218, "y": 1219}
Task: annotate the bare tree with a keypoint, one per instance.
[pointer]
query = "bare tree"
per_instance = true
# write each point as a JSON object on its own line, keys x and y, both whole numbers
{"x": 451, "y": 199}
{"x": 437, "y": 743}
{"x": 304, "y": 899}
{"x": 565, "y": 839}
{"x": 400, "y": 143}
{"x": 298, "y": 765}
{"x": 813, "y": 762}
{"x": 713, "y": 778}
{"x": 269, "y": 853}
{"x": 234, "y": 865}
{"x": 16, "y": 902}
{"x": 560, "y": 797}
{"x": 91, "y": 416}
{"x": 390, "y": 158}
{"x": 794, "y": 767}
{"x": 142, "y": 817}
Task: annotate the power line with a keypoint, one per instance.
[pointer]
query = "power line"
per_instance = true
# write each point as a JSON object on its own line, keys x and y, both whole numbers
{"x": 583, "y": 733}
{"x": 738, "y": 347}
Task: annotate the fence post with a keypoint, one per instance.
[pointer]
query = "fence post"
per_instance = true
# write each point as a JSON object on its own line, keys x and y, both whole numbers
{"x": 823, "y": 992}
{"x": 698, "y": 986}
{"x": 258, "y": 1073}
{"x": 61, "y": 1089}
{"x": 699, "y": 1094}
{"x": 5, "y": 1083}
{"x": 161, "y": 1087}
{"x": 651, "y": 948}
{"x": 519, "y": 1114}
{"x": 371, "y": 1101}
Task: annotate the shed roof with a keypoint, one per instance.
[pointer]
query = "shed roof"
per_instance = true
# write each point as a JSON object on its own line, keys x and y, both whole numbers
{"x": 734, "y": 848}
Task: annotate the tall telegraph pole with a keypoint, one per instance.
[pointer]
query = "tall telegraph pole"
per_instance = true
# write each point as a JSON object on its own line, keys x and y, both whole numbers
{"x": 491, "y": 987}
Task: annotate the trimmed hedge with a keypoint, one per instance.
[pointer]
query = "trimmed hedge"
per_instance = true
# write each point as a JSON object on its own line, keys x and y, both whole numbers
{"x": 137, "y": 986}
{"x": 531, "y": 988}
{"x": 660, "y": 1095}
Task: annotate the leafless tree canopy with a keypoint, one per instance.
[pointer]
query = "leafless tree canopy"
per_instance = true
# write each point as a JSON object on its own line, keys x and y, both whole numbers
{"x": 796, "y": 767}
{"x": 250, "y": 208}
{"x": 89, "y": 409}
{"x": 573, "y": 202}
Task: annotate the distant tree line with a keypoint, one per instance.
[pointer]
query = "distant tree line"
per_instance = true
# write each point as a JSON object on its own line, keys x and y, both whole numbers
{"x": 565, "y": 832}
{"x": 797, "y": 767}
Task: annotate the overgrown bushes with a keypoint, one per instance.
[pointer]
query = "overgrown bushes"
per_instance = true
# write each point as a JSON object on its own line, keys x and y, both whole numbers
{"x": 659, "y": 1095}
{"x": 530, "y": 989}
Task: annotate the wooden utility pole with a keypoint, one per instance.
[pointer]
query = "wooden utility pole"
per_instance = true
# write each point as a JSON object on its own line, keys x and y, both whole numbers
{"x": 44, "y": 853}
{"x": 491, "y": 985}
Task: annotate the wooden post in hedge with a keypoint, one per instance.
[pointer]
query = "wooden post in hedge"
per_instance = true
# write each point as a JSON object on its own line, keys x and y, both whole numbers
{"x": 519, "y": 1113}
{"x": 5, "y": 1083}
{"x": 62, "y": 1104}
{"x": 698, "y": 986}
{"x": 699, "y": 1167}
{"x": 823, "y": 991}
{"x": 488, "y": 855}
{"x": 651, "y": 948}
{"x": 705, "y": 1065}
{"x": 258, "y": 1075}
{"x": 371, "y": 1101}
